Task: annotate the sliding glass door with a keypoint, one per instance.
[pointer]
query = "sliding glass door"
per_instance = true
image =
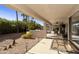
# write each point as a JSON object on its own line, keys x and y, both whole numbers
{"x": 75, "y": 29}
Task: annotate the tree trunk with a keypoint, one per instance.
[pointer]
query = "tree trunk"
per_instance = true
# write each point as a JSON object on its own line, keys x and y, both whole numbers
{"x": 17, "y": 21}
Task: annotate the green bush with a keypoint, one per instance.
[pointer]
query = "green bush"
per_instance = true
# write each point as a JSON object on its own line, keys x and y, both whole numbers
{"x": 11, "y": 26}
{"x": 28, "y": 35}
{"x": 7, "y": 26}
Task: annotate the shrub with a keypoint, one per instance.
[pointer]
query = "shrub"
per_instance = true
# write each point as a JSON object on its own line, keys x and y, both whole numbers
{"x": 7, "y": 26}
{"x": 28, "y": 35}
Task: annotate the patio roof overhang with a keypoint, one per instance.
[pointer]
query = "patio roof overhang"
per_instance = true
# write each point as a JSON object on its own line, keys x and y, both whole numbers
{"x": 47, "y": 12}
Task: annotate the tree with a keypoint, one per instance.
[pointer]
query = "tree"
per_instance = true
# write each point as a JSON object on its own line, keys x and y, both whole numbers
{"x": 17, "y": 21}
{"x": 25, "y": 17}
{"x": 7, "y": 26}
{"x": 26, "y": 20}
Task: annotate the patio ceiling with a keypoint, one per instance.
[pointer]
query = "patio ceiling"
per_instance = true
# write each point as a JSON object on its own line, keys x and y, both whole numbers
{"x": 47, "y": 12}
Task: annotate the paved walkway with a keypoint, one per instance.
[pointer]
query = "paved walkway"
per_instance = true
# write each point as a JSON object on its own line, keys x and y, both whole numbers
{"x": 43, "y": 47}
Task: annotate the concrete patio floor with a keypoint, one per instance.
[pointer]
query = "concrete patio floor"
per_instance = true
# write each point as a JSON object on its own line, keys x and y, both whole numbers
{"x": 42, "y": 47}
{"x": 45, "y": 47}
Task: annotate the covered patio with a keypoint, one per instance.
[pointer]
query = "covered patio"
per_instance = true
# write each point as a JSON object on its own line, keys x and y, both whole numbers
{"x": 49, "y": 46}
{"x": 54, "y": 16}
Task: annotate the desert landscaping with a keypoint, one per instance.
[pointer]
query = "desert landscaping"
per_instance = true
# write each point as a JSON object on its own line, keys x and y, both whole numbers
{"x": 7, "y": 44}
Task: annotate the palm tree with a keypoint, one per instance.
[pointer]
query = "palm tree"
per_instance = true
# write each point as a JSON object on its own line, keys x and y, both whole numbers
{"x": 25, "y": 17}
{"x": 17, "y": 21}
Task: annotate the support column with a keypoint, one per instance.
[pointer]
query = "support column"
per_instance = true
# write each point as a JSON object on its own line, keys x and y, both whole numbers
{"x": 69, "y": 28}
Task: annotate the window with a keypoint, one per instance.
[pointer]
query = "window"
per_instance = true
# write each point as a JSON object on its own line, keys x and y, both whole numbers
{"x": 75, "y": 29}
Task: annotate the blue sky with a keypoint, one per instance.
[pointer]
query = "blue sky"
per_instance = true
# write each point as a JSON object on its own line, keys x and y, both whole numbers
{"x": 10, "y": 14}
